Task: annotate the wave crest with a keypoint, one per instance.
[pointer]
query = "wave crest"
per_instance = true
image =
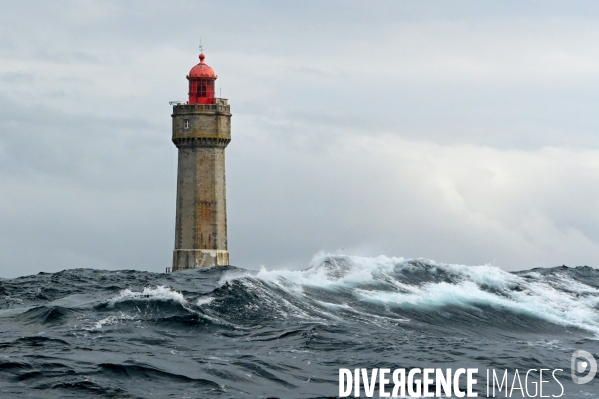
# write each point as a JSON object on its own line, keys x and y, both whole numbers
{"x": 413, "y": 288}
{"x": 160, "y": 293}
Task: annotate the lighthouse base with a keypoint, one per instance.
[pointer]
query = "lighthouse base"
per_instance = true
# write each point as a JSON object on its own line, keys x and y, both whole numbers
{"x": 193, "y": 258}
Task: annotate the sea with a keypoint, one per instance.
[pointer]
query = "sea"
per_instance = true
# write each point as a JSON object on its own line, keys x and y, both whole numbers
{"x": 229, "y": 332}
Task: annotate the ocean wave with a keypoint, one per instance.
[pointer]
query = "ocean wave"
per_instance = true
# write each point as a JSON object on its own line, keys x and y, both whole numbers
{"x": 230, "y": 332}
{"x": 159, "y": 293}
{"x": 147, "y": 372}
{"x": 421, "y": 286}
{"x": 45, "y": 315}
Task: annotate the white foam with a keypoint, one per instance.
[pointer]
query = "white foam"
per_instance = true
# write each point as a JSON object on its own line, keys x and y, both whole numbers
{"x": 204, "y": 301}
{"x": 353, "y": 271}
{"x": 107, "y": 321}
{"x": 161, "y": 292}
{"x": 536, "y": 299}
{"x": 557, "y": 299}
{"x": 357, "y": 270}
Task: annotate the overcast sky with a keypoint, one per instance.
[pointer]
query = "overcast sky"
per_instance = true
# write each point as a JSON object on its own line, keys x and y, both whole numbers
{"x": 463, "y": 131}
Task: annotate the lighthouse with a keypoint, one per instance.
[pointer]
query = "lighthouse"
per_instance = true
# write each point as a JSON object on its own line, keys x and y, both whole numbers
{"x": 201, "y": 132}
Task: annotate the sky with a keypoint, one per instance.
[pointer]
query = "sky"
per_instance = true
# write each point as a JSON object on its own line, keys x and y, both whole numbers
{"x": 463, "y": 132}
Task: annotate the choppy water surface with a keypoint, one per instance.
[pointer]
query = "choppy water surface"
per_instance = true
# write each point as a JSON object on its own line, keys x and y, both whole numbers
{"x": 233, "y": 333}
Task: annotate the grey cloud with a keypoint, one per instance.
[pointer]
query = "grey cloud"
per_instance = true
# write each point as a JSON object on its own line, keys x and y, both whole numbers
{"x": 462, "y": 132}
{"x": 75, "y": 57}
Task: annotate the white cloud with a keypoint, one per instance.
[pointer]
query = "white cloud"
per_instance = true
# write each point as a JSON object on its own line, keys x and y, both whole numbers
{"x": 460, "y": 203}
{"x": 464, "y": 133}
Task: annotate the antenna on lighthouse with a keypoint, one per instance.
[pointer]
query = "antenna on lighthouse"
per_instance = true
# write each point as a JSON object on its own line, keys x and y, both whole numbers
{"x": 201, "y": 47}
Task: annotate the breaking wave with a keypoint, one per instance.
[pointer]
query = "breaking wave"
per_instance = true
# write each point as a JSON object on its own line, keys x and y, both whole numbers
{"x": 160, "y": 293}
{"x": 416, "y": 289}
{"x": 232, "y": 332}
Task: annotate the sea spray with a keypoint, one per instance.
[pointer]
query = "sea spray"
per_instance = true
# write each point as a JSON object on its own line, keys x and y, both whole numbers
{"x": 230, "y": 332}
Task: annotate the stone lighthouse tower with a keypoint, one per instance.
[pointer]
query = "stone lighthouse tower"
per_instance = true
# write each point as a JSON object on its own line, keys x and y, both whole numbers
{"x": 201, "y": 132}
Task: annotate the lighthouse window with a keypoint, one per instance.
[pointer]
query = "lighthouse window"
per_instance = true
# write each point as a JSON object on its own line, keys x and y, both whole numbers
{"x": 202, "y": 89}
{"x": 186, "y": 123}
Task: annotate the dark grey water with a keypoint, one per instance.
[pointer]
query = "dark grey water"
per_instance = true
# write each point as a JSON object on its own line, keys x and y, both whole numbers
{"x": 232, "y": 333}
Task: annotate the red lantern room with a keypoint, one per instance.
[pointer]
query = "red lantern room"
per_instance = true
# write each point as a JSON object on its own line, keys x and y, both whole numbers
{"x": 201, "y": 83}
